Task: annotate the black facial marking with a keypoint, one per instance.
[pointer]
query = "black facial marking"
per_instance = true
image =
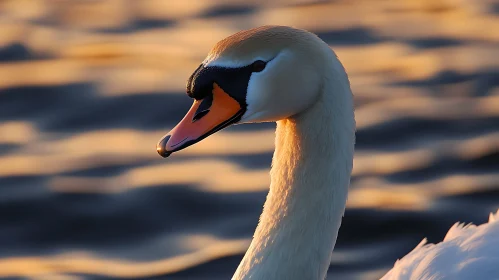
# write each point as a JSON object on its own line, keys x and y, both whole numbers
{"x": 234, "y": 81}
{"x": 189, "y": 81}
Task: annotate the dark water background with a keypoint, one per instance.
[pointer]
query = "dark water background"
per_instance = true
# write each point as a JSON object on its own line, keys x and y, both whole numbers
{"x": 87, "y": 89}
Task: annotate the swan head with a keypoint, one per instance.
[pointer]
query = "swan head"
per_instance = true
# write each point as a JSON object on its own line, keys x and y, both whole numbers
{"x": 264, "y": 74}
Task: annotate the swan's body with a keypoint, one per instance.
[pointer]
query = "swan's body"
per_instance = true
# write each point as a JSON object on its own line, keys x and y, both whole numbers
{"x": 467, "y": 252}
{"x": 290, "y": 76}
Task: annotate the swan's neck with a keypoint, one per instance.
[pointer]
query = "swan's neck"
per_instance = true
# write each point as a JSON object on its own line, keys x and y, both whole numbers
{"x": 309, "y": 183}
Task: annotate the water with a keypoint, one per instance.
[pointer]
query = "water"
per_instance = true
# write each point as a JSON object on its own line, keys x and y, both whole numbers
{"x": 86, "y": 91}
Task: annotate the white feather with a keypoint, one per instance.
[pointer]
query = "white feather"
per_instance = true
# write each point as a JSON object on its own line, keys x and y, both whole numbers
{"x": 467, "y": 252}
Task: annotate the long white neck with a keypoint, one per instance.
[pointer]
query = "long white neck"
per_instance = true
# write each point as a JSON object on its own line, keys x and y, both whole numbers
{"x": 310, "y": 176}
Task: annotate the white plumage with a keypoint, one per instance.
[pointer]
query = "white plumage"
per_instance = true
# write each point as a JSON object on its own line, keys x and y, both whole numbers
{"x": 467, "y": 252}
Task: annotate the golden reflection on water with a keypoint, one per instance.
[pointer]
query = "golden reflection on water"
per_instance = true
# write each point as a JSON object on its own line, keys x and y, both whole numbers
{"x": 84, "y": 262}
{"x": 72, "y": 47}
{"x": 16, "y": 132}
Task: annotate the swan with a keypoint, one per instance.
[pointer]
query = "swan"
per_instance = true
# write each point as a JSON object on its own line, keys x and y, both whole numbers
{"x": 290, "y": 76}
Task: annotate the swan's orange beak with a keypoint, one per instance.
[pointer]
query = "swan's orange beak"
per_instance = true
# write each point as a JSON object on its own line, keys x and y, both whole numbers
{"x": 205, "y": 117}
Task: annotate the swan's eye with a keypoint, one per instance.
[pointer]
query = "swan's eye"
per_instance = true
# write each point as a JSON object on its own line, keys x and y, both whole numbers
{"x": 258, "y": 65}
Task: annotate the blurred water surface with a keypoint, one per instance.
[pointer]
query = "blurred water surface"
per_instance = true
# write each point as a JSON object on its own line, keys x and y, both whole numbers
{"x": 87, "y": 88}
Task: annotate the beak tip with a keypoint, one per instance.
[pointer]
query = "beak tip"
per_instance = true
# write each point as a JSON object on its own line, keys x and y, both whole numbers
{"x": 161, "y": 147}
{"x": 164, "y": 153}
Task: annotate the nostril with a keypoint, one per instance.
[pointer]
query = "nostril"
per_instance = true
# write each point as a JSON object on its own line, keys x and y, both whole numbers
{"x": 204, "y": 108}
{"x": 199, "y": 115}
